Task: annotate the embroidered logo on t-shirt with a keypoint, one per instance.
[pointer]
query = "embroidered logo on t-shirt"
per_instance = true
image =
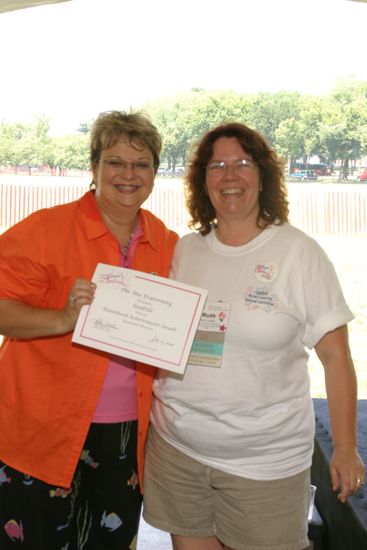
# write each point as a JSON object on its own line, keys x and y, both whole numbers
{"x": 266, "y": 272}
{"x": 260, "y": 297}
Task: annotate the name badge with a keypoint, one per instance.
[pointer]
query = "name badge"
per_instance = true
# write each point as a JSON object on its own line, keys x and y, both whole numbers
{"x": 207, "y": 348}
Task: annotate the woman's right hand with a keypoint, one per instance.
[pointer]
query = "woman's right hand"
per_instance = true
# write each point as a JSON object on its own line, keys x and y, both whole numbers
{"x": 81, "y": 294}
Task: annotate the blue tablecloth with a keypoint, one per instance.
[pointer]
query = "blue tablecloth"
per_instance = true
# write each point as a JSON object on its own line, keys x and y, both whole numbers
{"x": 346, "y": 524}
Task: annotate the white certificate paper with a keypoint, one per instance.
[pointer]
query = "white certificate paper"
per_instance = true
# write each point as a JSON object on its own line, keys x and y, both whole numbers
{"x": 141, "y": 316}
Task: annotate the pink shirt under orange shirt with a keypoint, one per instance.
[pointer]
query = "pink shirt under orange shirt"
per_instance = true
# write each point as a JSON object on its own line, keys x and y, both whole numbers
{"x": 118, "y": 402}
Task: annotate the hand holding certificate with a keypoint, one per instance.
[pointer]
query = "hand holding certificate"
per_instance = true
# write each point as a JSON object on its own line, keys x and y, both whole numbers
{"x": 141, "y": 316}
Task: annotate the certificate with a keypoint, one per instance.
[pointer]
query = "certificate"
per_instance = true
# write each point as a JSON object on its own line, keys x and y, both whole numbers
{"x": 141, "y": 316}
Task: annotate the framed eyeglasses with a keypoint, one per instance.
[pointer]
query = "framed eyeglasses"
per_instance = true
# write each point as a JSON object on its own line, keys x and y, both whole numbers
{"x": 240, "y": 166}
{"x": 118, "y": 165}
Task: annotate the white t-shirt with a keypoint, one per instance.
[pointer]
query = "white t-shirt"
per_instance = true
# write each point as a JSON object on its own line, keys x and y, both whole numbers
{"x": 253, "y": 416}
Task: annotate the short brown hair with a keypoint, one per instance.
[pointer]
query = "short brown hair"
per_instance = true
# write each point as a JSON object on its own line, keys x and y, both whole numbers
{"x": 137, "y": 127}
{"x": 273, "y": 203}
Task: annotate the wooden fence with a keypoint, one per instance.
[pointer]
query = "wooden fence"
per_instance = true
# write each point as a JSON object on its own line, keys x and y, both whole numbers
{"x": 318, "y": 209}
{"x": 329, "y": 209}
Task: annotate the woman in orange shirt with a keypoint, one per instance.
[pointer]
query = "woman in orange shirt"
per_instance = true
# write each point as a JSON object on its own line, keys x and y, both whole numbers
{"x": 73, "y": 420}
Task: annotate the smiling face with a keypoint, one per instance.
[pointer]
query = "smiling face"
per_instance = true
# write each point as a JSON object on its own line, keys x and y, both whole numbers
{"x": 233, "y": 187}
{"x": 124, "y": 176}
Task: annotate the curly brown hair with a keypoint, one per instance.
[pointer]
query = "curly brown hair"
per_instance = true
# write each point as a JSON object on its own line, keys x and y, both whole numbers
{"x": 273, "y": 203}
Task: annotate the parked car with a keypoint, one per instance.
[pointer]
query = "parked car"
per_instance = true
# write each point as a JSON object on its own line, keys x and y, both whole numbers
{"x": 363, "y": 176}
{"x": 162, "y": 171}
{"x": 179, "y": 170}
{"x": 303, "y": 175}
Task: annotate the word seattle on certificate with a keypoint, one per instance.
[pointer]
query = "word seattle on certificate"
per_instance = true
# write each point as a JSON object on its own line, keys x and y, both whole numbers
{"x": 141, "y": 316}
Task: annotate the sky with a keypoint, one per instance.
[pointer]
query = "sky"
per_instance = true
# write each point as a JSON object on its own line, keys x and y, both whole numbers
{"x": 72, "y": 60}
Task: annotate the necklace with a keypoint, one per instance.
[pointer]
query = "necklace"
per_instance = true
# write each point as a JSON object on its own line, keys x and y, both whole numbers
{"x": 125, "y": 248}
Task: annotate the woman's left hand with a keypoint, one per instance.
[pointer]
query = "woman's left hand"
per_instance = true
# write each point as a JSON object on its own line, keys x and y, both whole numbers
{"x": 347, "y": 471}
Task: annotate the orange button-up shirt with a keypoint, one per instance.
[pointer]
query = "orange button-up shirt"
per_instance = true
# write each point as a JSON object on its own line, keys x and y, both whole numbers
{"x": 49, "y": 387}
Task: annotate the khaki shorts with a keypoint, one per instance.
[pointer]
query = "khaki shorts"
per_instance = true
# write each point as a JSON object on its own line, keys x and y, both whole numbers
{"x": 187, "y": 498}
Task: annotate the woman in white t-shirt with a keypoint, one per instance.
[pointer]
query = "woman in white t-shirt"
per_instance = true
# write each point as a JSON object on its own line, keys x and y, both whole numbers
{"x": 228, "y": 462}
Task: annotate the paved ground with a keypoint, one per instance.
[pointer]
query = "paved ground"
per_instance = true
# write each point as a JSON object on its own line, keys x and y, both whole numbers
{"x": 152, "y": 539}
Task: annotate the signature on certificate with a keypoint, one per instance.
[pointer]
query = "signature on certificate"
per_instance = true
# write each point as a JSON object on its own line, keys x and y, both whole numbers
{"x": 104, "y": 325}
{"x": 156, "y": 340}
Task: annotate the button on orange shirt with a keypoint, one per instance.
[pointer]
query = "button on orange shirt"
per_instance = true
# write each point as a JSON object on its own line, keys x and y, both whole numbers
{"x": 49, "y": 387}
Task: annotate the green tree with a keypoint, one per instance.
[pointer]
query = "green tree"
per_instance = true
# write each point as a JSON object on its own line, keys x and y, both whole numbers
{"x": 35, "y": 142}
{"x": 183, "y": 118}
{"x": 11, "y": 135}
{"x": 289, "y": 140}
{"x": 71, "y": 152}
{"x": 333, "y": 127}
{"x": 343, "y": 132}
{"x": 85, "y": 127}
{"x": 267, "y": 111}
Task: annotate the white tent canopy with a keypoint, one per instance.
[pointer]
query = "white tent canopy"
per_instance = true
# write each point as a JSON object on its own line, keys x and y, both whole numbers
{"x": 11, "y": 5}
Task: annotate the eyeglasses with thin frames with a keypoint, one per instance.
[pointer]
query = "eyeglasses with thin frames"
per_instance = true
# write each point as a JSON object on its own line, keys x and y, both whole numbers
{"x": 240, "y": 166}
{"x": 118, "y": 165}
